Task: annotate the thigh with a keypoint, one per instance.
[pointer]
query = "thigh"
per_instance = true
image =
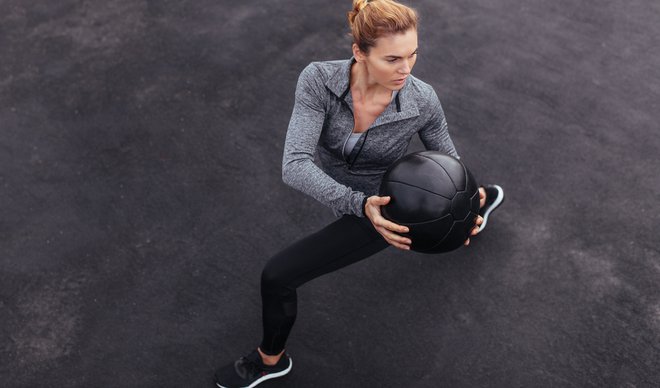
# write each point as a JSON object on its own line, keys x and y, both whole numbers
{"x": 343, "y": 242}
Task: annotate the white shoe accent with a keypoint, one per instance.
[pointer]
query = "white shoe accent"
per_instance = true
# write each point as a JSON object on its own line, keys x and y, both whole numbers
{"x": 493, "y": 206}
{"x": 267, "y": 377}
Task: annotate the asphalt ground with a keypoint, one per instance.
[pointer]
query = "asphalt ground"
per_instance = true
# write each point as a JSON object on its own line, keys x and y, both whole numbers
{"x": 141, "y": 195}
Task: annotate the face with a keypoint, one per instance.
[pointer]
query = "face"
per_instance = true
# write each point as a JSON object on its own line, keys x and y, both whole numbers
{"x": 391, "y": 60}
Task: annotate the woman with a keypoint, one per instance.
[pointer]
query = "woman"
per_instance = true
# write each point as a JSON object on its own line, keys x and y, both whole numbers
{"x": 358, "y": 116}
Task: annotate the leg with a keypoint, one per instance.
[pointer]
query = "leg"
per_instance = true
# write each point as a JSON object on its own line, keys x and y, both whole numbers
{"x": 345, "y": 241}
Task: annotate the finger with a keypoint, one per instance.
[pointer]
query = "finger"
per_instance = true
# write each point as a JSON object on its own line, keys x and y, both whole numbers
{"x": 388, "y": 235}
{"x": 480, "y": 220}
{"x": 475, "y": 231}
{"x": 382, "y": 200}
{"x": 400, "y": 246}
{"x": 467, "y": 242}
{"x": 391, "y": 225}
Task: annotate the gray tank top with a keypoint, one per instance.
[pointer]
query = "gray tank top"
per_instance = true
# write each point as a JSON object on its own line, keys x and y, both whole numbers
{"x": 352, "y": 139}
{"x": 350, "y": 142}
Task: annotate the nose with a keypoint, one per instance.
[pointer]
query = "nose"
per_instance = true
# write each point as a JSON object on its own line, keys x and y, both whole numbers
{"x": 405, "y": 69}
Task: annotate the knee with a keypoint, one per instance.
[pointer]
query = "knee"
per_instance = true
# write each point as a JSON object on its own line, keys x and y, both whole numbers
{"x": 272, "y": 279}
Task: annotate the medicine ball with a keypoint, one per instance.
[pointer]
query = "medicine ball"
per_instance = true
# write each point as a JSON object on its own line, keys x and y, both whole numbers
{"x": 435, "y": 196}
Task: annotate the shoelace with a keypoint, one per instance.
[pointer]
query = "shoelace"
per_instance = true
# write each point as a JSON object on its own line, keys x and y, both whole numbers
{"x": 248, "y": 368}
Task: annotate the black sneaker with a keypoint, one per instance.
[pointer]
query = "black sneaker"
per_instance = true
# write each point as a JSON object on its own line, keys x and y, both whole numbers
{"x": 494, "y": 198}
{"x": 250, "y": 371}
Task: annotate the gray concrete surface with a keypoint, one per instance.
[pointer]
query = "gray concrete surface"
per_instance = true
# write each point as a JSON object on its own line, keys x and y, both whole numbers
{"x": 140, "y": 149}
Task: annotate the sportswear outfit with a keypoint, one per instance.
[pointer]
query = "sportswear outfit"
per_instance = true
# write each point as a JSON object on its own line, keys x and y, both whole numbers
{"x": 321, "y": 123}
{"x": 321, "y": 126}
{"x": 322, "y": 120}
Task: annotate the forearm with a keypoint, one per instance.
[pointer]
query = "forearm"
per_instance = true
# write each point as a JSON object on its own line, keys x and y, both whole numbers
{"x": 307, "y": 177}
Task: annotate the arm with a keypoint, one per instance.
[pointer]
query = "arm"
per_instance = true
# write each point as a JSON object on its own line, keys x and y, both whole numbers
{"x": 434, "y": 134}
{"x": 298, "y": 168}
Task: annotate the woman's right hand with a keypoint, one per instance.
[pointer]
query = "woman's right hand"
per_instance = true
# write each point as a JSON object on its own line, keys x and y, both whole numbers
{"x": 388, "y": 229}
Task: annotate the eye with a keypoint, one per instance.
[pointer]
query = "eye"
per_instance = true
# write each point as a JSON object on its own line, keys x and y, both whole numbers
{"x": 392, "y": 60}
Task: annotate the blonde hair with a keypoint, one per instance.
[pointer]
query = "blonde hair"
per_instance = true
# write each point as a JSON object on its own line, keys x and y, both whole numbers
{"x": 371, "y": 19}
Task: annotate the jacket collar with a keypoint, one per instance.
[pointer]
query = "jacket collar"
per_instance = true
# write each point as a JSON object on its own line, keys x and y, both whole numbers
{"x": 339, "y": 83}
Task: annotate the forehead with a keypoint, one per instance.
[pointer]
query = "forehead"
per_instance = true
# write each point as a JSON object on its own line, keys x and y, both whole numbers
{"x": 399, "y": 44}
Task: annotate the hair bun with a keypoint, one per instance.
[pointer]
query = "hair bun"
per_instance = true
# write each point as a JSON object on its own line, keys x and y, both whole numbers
{"x": 383, "y": 17}
{"x": 358, "y": 5}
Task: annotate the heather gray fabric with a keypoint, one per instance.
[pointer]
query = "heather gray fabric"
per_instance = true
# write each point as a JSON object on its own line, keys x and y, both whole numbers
{"x": 350, "y": 143}
{"x": 321, "y": 121}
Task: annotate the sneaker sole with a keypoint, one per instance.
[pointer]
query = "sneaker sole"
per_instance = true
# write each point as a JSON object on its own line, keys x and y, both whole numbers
{"x": 267, "y": 377}
{"x": 498, "y": 201}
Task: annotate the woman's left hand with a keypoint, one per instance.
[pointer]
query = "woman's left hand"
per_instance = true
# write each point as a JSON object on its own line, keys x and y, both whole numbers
{"x": 480, "y": 220}
{"x": 475, "y": 230}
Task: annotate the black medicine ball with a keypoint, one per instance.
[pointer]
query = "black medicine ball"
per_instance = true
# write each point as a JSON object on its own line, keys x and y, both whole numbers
{"x": 435, "y": 196}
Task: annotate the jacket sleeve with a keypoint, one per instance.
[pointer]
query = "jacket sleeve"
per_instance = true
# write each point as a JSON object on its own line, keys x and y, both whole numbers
{"x": 434, "y": 134}
{"x": 298, "y": 168}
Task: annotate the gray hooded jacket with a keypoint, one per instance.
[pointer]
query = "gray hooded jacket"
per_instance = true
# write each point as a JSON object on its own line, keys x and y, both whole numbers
{"x": 321, "y": 121}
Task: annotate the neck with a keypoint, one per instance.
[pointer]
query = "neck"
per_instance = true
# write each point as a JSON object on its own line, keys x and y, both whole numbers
{"x": 362, "y": 84}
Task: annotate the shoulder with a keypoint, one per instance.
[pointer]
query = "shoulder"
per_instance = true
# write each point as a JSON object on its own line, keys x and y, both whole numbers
{"x": 321, "y": 71}
{"x": 421, "y": 91}
{"x": 425, "y": 98}
{"x": 318, "y": 78}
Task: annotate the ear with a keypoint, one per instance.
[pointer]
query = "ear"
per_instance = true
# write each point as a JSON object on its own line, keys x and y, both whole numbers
{"x": 358, "y": 54}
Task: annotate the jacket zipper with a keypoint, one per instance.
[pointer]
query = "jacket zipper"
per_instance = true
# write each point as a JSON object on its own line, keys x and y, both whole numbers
{"x": 398, "y": 110}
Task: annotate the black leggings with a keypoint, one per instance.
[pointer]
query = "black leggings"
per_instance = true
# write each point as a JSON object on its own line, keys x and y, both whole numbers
{"x": 345, "y": 241}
